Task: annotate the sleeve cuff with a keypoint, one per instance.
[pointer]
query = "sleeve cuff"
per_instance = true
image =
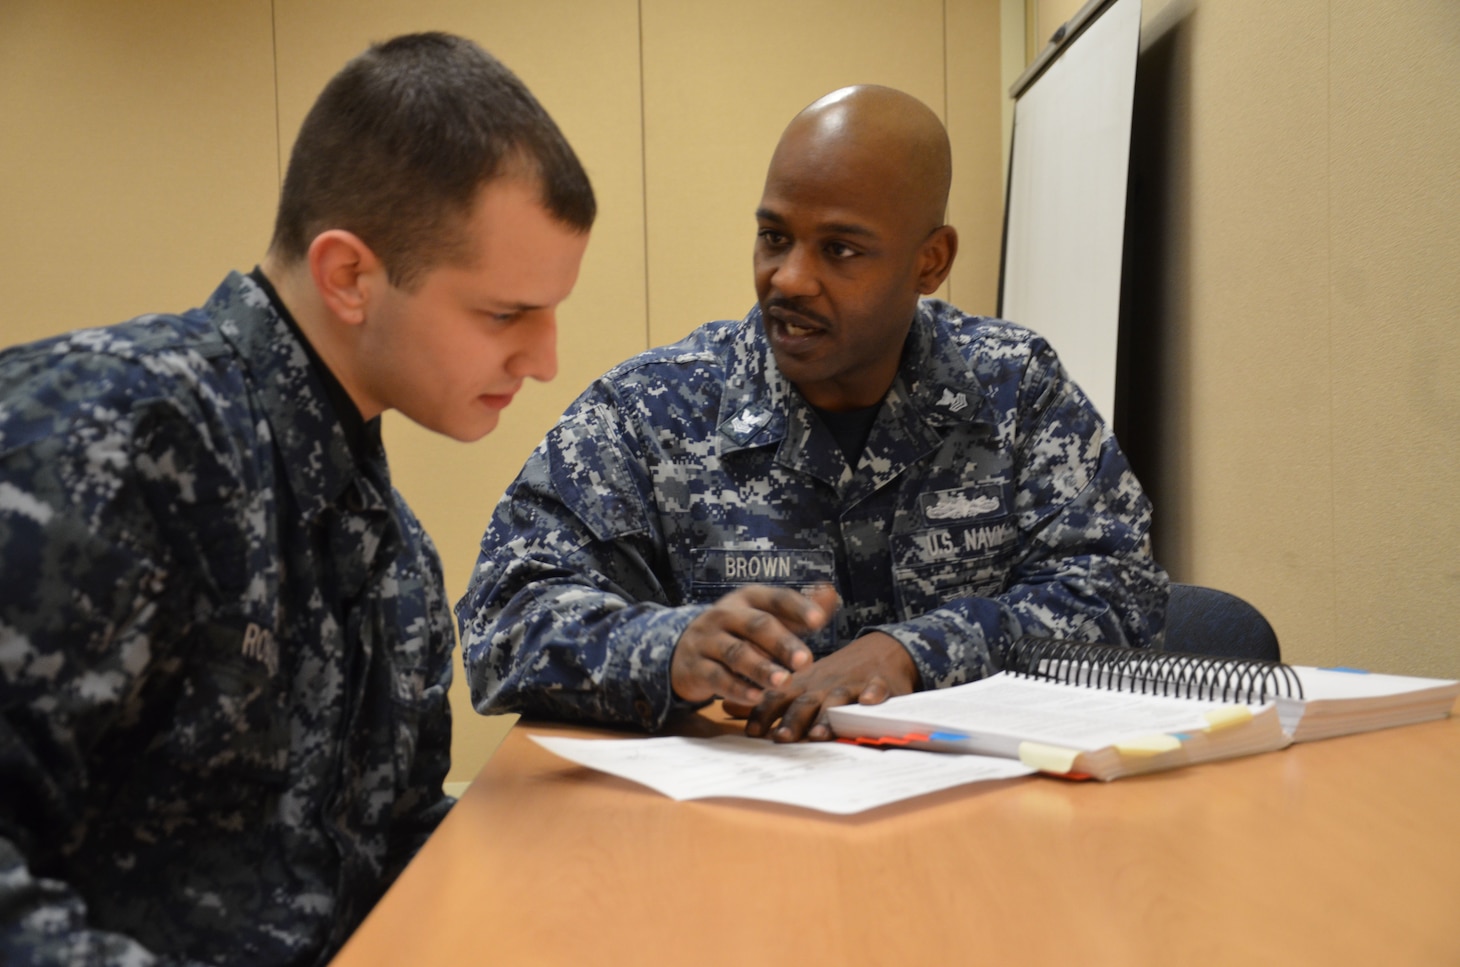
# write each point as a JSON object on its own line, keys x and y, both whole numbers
{"x": 641, "y": 668}
{"x": 951, "y": 646}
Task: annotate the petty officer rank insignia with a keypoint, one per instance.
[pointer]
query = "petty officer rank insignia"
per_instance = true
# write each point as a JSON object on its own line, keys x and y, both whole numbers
{"x": 953, "y": 401}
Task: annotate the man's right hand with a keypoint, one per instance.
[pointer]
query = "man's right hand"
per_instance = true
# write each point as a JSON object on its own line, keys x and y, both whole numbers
{"x": 748, "y": 641}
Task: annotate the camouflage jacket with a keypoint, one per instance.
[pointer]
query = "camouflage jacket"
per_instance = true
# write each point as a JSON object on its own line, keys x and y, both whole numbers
{"x": 224, "y": 644}
{"x": 990, "y": 501}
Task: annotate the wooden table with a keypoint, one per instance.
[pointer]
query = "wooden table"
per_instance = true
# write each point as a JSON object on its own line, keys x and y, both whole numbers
{"x": 1345, "y": 851}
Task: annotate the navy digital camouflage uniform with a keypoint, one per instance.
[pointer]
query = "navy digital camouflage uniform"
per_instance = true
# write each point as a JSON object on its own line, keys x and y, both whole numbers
{"x": 225, "y": 649}
{"x": 990, "y": 501}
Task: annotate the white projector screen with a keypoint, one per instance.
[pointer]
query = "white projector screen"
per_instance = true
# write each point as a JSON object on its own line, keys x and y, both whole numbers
{"x": 1064, "y": 221}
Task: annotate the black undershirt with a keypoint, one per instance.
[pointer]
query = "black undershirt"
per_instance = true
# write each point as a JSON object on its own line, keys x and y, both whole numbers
{"x": 850, "y": 429}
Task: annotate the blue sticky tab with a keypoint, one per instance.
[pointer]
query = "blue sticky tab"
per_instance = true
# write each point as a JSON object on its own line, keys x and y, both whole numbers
{"x": 946, "y": 737}
{"x": 1345, "y": 668}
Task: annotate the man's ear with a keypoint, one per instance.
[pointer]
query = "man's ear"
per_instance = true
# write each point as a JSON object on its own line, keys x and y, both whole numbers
{"x": 936, "y": 258}
{"x": 344, "y": 270}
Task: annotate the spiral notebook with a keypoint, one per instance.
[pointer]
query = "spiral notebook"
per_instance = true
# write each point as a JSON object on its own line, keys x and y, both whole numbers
{"x": 1099, "y": 711}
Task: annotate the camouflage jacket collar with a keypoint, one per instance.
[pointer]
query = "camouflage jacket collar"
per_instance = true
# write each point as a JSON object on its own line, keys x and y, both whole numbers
{"x": 322, "y": 470}
{"x": 935, "y": 388}
{"x": 757, "y": 399}
{"x": 936, "y": 377}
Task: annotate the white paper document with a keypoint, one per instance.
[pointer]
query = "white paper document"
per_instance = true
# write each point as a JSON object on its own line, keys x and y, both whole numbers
{"x": 833, "y": 777}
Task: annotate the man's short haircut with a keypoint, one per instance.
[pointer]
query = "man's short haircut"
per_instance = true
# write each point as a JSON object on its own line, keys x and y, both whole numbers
{"x": 400, "y": 142}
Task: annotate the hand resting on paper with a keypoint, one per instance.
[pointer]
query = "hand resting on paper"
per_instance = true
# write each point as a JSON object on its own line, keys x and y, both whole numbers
{"x": 868, "y": 671}
{"x": 748, "y": 641}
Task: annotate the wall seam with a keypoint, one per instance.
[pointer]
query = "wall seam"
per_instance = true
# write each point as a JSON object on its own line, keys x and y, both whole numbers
{"x": 278, "y": 120}
{"x": 644, "y": 176}
{"x": 1333, "y": 543}
{"x": 947, "y": 116}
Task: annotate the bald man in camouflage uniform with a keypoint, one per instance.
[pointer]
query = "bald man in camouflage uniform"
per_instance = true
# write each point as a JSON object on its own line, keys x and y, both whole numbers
{"x": 223, "y": 636}
{"x": 849, "y": 494}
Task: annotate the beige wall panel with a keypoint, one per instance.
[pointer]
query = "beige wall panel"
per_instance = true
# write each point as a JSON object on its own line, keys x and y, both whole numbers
{"x": 1395, "y": 190}
{"x": 1310, "y": 452}
{"x": 1252, "y": 457}
{"x": 1047, "y": 16}
{"x": 137, "y": 163}
{"x": 581, "y": 60}
{"x": 976, "y": 96}
{"x": 721, "y": 80}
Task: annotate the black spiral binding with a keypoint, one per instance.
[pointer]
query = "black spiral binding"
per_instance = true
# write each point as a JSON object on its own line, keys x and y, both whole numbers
{"x": 1170, "y": 673}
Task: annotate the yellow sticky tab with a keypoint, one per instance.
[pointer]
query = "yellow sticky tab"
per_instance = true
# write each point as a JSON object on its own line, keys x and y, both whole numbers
{"x": 1149, "y": 745}
{"x": 1227, "y": 716}
{"x": 1047, "y": 758}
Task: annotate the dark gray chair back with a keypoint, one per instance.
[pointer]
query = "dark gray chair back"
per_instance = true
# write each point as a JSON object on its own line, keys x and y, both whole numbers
{"x": 1205, "y": 621}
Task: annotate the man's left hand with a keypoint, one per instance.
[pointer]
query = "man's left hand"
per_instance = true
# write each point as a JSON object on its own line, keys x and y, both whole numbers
{"x": 868, "y": 671}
